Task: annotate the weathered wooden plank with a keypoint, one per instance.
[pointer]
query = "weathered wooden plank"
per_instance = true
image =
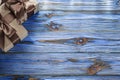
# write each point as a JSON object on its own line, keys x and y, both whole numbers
{"x": 65, "y": 78}
{"x": 64, "y": 48}
{"x": 81, "y": 78}
{"x": 84, "y": 78}
{"x": 78, "y": 5}
{"x": 56, "y": 64}
{"x": 71, "y": 22}
{"x": 67, "y": 35}
{"x": 16, "y": 77}
{"x": 75, "y": 24}
{"x": 66, "y": 45}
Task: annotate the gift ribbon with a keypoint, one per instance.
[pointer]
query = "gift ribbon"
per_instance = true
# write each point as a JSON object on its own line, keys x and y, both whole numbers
{"x": 17, "y": 7}
{"x": 30, "y": 10}
{"x": 7, "y": 30}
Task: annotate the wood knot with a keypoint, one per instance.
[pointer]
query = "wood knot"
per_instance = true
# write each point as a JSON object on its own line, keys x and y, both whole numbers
{"x": 73, "y": 60}
{"x": 54, "y": 26}
{"x": 49, "y": 15}
{"x": 97, "y": 66}
{"x": 81, "y": 41}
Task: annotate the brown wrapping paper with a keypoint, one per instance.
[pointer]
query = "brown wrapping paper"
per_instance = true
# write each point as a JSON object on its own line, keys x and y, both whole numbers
{"x": 9, "y": 24}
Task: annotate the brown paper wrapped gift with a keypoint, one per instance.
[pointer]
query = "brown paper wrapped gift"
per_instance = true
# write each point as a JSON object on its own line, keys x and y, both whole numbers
{"x": 10, "y": 29}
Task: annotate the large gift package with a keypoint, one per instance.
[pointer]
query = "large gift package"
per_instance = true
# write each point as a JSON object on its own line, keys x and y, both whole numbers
{"x": 12, "y": 14}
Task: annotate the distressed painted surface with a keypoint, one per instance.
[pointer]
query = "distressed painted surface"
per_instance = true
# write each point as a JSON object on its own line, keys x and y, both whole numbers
{"x": 49, "y": 52}
{"x": 56, "y": 63}
{"x": 65, "y": 78}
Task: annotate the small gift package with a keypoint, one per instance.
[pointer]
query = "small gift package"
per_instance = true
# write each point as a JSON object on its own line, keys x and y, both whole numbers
{"x": 11, "y": 31}
{"x": 32, "y": 7}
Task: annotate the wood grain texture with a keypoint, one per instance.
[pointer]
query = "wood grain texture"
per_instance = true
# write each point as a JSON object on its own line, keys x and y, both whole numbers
{"x": 47, "y": 52}
{"x": 65, "y": 78}
{"x": 56, "y": 63}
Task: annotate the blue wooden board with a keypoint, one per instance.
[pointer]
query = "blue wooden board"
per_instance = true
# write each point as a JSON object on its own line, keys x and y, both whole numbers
{"x": 45, "y": 52}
